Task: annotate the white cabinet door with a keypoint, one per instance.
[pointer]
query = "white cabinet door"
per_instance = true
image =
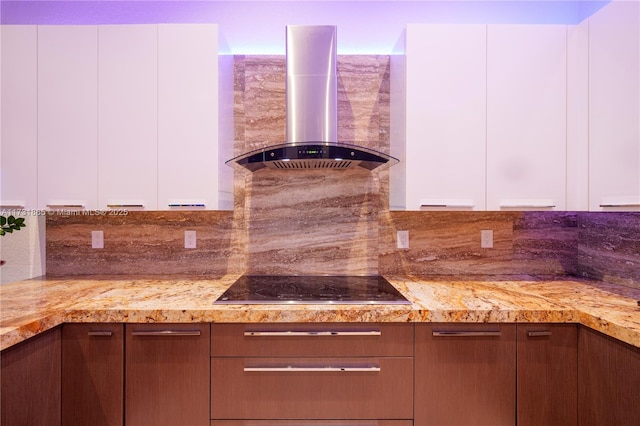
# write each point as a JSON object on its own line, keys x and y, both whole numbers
{"x": 19, "y": 121}
{"x": 128, "y": 116}
{"x": 526, "y": 117}
{"x": 445, "y": 116}
{"x": 67, "y": 115}
{"x": 614, "y": 107}
{"x": 188, "y": 116}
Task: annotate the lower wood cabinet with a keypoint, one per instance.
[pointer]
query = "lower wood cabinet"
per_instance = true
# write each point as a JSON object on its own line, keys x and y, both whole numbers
{"x": 327, "y": 374}
{"x": 167, "y": 374}
{"x": 547, "y": 375}
{"x": 465, "y": 374}
{"x": 311, "y": 423}
{"x": 93, "y": 372}
{"x": 496, "y": 374}
{"x": 30, "y": 382}
{"x": 312, "y": 374}
{"x": 609, "y": 378}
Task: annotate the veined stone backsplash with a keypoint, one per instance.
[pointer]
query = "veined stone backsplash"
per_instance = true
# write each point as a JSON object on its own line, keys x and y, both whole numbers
{"x": 604, "y": 246}
{"x": 337, "y": 222}
{"x": 609, "y": 247}
{"x": 311, "y": 221}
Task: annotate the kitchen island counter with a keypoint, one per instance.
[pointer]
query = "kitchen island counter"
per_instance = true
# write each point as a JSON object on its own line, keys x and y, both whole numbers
{"x": 33, "y": 306}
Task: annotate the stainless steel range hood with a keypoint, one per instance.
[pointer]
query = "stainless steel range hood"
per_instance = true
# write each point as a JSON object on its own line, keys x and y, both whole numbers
{"x": 312, "y": 111}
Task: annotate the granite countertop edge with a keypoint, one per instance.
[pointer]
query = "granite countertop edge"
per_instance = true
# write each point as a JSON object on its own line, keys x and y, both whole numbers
{"x": 31, "y": 307}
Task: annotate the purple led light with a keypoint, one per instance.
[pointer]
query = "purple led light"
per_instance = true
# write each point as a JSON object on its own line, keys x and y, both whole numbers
{"x": 364, "y": 26}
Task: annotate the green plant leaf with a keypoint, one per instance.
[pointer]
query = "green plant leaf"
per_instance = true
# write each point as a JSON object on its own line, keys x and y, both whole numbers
{"x": 10, "y": 224}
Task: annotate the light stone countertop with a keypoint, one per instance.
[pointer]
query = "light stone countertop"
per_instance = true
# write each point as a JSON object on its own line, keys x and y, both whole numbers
{"x": 33, "y": 306}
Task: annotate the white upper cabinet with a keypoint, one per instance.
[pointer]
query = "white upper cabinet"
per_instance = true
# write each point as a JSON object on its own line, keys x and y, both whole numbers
{"x": 614, "y": 107}
{"x": 445, "y": 117}
{"x": 67, "y": 116}
{"x": 128, "y": 116}
{"x": 526, "y": 117}
{"x": 115, "y": 116}
{"x": 19, "y": 138}
{"x": 188, "y": 162}
{"x": 486, "y": 117}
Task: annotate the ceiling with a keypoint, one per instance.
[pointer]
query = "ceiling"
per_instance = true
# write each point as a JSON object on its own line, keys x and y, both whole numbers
{"x": 257, "y": 27}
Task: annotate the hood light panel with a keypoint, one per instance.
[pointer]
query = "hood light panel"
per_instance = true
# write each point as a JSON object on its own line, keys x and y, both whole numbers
{"x": 317, "y": 156}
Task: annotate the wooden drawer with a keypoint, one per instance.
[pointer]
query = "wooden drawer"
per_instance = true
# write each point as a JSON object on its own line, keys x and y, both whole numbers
{"x": 312, "y": 339}
{"x": 312, "y": 388}
{"x": 311, "y": 423}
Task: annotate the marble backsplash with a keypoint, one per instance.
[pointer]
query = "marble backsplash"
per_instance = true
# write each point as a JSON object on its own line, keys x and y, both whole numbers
{"x": 595, "y": 245}
{"x": 337, "y": 222}
{"x": 609, "y": 247}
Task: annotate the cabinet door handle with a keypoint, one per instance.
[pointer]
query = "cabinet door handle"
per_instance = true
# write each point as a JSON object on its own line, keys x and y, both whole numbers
{"x": 290, "y": 369}
{"x": 186, "y": 205}
{"x": 466, "y": 333}
{"x": 620, "y": 205}
{"x": 65, "y": 206}
{"x": 527, "y": 206}
{"x": 167, "y": 333}
{"x": 450, "y": 205}
{"x": 125, "y": 206}
{"x": 538, "y": 333}
{"x": 311, "y": 333}
{"x": 100, "y": 333}
{"x": 527, "y": 203}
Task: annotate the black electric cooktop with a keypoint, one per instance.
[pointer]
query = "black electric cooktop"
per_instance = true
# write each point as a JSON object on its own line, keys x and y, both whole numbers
{"x": 312, "y": 289}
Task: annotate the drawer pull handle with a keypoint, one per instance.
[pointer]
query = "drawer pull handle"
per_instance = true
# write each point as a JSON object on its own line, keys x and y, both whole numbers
{"x": 466, "y": 333}
{"x": 538, "y": 333}
{"x": 287, "y": 369}
{"x": 100, "y": 333}
{"x": 166, "y": 333}
{"x": 311, "y": 333}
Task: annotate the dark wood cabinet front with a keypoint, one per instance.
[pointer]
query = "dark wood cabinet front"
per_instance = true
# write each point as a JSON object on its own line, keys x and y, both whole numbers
{"x": 312, "y": 388}
{"x": 312, "y": 339}
{"x": 167, "y": 374}
{"x": 311, "y": 423}
{"x": 609, "y": 380}
{"x": 547, "y": 374}
{"x": 30, "y": 382}
{"x": 465, "y": 374}
{"x": 93, "y": 371}
{"x": 317, "y": 374}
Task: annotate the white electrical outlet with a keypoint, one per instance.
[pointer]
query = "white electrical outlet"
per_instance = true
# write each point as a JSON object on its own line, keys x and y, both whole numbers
{"x": 403, "y": 239}
{"x": 97, "y": 239}
{"x": 486, "y": 238}
{"x": 190, "y": 239}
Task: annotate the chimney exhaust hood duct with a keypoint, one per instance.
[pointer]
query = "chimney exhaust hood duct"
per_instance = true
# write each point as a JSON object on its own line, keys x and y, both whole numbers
{"x": 312, "y": 111}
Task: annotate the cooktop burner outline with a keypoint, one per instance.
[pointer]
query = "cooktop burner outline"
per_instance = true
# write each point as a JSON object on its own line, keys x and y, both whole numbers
{"x": 312, "y": 289}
